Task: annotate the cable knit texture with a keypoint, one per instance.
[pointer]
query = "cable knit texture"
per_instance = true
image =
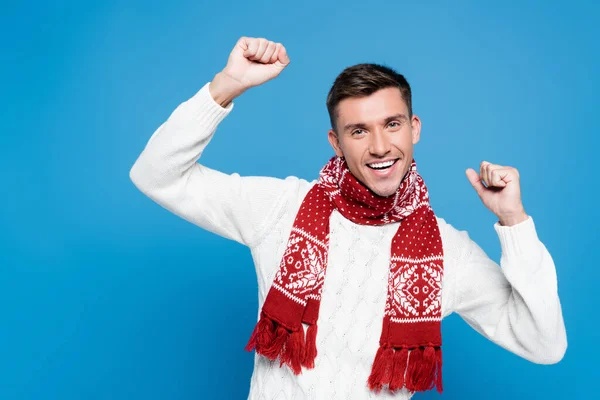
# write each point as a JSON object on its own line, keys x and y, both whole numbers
{"x": 514, "y": 304}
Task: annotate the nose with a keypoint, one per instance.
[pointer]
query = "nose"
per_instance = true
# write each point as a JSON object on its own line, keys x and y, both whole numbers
{"x": 379, "y": 144}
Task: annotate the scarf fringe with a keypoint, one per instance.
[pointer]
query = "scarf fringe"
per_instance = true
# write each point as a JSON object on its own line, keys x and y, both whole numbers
{"x": 273, "y": 341}
{"x": 418, "y": 370}
{"x": 311, "y": 347}
{"x": 399, "y": 367}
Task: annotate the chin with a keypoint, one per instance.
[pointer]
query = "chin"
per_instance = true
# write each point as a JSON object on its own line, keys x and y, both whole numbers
{"x": 384, "y": 186}
{"x": 386, "y": 194}
{"x": 385, "y": 191}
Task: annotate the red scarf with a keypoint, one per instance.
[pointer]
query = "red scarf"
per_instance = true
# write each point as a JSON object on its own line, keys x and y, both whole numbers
{"x": 409, "y": 352}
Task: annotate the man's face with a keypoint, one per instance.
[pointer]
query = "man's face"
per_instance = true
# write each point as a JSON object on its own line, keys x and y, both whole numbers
{"x": 376, "y": 137}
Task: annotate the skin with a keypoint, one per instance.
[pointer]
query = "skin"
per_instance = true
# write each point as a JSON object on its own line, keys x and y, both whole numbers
{"x": 254, "y": 61}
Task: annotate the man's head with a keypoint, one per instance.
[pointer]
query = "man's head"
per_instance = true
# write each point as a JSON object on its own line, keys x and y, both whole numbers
{"x": 373, "y": 126}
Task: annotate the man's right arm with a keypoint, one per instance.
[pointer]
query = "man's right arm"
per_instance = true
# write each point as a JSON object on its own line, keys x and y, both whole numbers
{"x": 235, "y": 207}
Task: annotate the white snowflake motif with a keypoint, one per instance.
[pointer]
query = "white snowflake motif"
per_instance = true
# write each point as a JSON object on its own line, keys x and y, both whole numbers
{"x": 288, "y": 259}
{"x": 432, "y": 286}
{"x": 312, "y": 273}
{"x": 402, "y": 285}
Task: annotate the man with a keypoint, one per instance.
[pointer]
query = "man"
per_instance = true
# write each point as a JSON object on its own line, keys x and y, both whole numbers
{"x": 355, "y": 271}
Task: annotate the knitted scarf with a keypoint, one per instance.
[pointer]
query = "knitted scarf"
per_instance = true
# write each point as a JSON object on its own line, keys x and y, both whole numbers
{"x": 409, "y": 353}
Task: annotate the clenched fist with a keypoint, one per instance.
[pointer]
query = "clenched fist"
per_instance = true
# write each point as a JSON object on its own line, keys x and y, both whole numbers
{"x": 501, "y": 193}
{"x": 255, "y": 61}
{"x": 252, "y": 62}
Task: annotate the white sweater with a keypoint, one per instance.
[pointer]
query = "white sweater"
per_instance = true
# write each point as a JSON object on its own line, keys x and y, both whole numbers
{"x": 515, "y": 305}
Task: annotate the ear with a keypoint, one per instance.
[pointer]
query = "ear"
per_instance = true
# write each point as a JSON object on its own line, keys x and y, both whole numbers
{"x": 415, "y": 124}
{"x": 335, "y": 142}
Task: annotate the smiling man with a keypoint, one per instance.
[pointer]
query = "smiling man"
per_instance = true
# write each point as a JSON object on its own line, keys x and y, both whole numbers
{"x": 355, "y": 271}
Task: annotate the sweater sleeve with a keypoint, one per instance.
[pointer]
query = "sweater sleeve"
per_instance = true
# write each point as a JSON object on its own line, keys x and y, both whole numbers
{"x": 516, "y": 304}
{"x": 167, "y": 171}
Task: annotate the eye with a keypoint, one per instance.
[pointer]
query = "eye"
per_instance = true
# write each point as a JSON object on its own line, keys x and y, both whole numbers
{"x": 394, "y": 122}
{"x": 357, "y": 132}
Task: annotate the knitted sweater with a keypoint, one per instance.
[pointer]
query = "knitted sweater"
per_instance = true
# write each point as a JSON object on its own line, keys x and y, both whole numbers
{"x": 515, "y": 305}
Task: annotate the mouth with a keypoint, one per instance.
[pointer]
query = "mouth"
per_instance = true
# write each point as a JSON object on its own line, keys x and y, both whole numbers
{"x": 383, "y": 168}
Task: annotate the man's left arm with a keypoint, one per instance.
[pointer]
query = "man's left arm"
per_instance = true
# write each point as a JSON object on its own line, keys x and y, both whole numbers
{"x": 517, "y": 305}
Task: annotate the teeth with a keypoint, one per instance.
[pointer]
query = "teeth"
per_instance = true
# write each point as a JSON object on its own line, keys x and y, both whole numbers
{"x": 382, "y": 165}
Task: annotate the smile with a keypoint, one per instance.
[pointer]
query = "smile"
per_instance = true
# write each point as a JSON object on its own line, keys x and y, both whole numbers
{"x": 382, "y": 166}
{"x": 383, "y": 169}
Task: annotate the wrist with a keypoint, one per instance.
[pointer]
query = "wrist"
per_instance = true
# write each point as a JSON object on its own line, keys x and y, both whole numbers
{"x": 512, "y": 219}
{"x": 224, "y": 89}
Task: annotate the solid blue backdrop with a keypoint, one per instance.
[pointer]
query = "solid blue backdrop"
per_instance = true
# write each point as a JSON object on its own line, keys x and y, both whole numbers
{"x": 105, "y": 295}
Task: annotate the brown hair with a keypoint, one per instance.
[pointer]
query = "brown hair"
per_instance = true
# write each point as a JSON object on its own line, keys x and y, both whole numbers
{"x": 362, "y": 80}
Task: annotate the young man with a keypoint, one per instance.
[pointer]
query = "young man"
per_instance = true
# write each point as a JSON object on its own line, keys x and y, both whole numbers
{"x": 355, "y": 271}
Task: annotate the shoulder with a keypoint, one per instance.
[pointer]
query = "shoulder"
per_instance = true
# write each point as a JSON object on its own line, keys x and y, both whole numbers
{"x": 456, "y": 245}
{"x": 295, "y": 191}
{"x": 285, "y": 197}
{"x": 455, "y": 242}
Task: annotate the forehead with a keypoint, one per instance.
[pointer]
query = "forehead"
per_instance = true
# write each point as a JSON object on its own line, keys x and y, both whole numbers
{"x": 372, "y": 108}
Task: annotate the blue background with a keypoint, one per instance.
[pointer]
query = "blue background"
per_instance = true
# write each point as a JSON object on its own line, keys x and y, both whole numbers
{"x": 105, "y": 295}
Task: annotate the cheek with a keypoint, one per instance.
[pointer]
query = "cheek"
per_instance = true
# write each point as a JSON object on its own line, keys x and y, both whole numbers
{"x": 352, "y": 153}
{"x": 354, "y": 160}
{"x": 404, "y": 140}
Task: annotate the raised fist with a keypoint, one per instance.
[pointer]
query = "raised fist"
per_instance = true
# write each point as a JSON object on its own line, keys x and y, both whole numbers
{"x": 254, "y": 61}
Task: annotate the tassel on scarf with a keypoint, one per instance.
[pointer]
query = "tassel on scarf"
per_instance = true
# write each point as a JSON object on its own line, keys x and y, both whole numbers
{"x": 293, "y": 353}
{"x": 273, "y": 340}
{"x": 423, "y": 375}
{"x": 311, "y": 347}
{"x": 268, "y": 338}
{"x": 380, "y": 372}
{"x": 399, "y": 368}
{"x": 438, "y": 365}
{"x": 418, "y": 370}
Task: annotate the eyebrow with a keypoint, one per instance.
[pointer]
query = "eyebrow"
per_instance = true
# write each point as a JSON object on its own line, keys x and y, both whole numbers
{"x": 385, "y": 121}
